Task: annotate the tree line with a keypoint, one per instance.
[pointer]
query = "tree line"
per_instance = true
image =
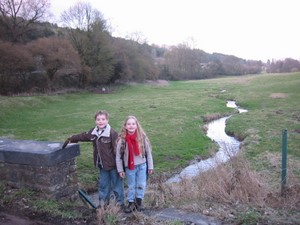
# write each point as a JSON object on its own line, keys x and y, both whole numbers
{"x": 39, "y": 56}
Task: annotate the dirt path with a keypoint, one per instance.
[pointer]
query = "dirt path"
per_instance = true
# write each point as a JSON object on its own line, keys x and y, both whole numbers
{"x": 18, "y": 218}
{"x": 168, "y": 214}
{"x": 9, "y": 219}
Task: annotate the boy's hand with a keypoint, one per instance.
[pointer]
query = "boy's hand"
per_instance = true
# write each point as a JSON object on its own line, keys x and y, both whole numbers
{"x": 66, "y": 143}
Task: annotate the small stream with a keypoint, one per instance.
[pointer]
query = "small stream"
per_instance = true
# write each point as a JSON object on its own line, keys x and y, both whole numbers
{"x": 228, "y": 146}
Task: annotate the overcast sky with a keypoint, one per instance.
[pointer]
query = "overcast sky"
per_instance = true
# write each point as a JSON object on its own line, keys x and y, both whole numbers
{"x": 250, "y": 29}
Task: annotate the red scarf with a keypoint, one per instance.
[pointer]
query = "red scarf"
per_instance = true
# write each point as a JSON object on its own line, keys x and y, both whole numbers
{"x": 133, "y": 148}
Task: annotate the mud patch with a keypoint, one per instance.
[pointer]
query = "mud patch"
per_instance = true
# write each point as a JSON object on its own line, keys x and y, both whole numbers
{"x": 158, "y": 82}
{"x": 9, "y": 219}
{"x": 279, "y": 95}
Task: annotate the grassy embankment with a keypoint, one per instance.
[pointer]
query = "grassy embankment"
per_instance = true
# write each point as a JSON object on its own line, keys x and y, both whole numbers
{"x": 172, "y": 116}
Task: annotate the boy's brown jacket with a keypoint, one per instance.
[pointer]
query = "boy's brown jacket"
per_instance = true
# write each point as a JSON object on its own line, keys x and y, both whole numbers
{"x": 104, "y": 145}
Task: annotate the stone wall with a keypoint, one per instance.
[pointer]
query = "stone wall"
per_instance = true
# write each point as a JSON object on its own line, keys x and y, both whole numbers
{"x": 41, "y": 166}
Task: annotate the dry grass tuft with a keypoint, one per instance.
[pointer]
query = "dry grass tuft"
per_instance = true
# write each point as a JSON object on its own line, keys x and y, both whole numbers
{"x": 231, "y": 189}
{"x": 228, "y": 183}
{"x": 138, "y": 218}
{"x": 158, "y": 192}
{"x": 114, "y": 215}
{"x": 109, "y": 215}
{"x": 232, "y": 182}
{"x": 289, "y": 197}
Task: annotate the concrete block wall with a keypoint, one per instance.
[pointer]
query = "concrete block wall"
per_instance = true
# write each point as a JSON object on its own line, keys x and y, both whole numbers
{"x": 40, "y": 166}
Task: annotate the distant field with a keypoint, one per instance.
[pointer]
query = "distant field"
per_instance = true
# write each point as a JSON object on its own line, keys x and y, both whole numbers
{"x": 172, "y": 115}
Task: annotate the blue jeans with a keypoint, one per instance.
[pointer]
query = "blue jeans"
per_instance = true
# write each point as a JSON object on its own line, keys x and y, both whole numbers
{"x": 136, "y": 180}
{"x": 110, "y": 180}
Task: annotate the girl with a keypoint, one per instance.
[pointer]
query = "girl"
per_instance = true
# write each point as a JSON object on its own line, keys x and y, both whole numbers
{"x": 134, "y": 157}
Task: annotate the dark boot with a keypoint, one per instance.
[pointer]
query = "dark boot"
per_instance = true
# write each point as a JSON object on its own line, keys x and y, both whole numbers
{"x": 121, "y": 205}
{"x": 139, "y": 205}
{"x": 130, "y": 208}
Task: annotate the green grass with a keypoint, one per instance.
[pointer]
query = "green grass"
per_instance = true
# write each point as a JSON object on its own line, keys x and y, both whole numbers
{"x": 172, "y": 116}
{"x": 20, "y": 193}
{"x": 61, "y": 209}
{"x": 250, "y": 217}
{"x": 269, "y": 114}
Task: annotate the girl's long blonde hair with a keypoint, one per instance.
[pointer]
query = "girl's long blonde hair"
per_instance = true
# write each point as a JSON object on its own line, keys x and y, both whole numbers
{"x": 141, "y": 135}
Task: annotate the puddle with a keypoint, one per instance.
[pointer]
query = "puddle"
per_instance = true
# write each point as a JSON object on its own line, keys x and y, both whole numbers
{"x": 228, "y": 146}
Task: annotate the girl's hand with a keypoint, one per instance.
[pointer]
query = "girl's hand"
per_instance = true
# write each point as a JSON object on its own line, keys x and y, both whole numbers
{"x": 122, "y": 174}
{"x": 150, "y": 171}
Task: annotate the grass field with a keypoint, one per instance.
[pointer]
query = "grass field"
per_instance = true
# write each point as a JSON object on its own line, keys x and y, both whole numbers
{"x": 172, "y": 115}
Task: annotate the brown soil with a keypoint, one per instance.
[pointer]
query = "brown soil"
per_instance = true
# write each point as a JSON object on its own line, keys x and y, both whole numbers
{"x": 279, "y": 95}
{"x": 158, "y": 82}
{"x": 15, "y": 213}
{"x": 12, "y": 219}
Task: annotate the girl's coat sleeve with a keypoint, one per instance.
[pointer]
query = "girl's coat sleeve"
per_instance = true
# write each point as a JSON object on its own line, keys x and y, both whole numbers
{"x": 119, "y": 157}
{"x": 149, "y": 155}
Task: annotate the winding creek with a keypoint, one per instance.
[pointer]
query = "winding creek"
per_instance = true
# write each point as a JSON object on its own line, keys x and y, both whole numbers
{"x": 228, "y": 146}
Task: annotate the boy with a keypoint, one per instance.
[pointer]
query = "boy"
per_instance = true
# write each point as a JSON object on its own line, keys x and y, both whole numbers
{"x": 104, "y": 144}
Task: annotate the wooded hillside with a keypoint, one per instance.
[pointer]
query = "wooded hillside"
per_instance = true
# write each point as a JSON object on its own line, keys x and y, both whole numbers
{"x": 38, "y": 56}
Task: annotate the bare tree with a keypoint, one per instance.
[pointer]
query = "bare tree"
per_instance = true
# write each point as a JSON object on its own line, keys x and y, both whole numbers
{"x": 89, "y": 35}
{"x": 16, "y": 16}
{"x": 79, "y": 20}
{"x": 81, "y": 16}
{"x": 137, "y": 37}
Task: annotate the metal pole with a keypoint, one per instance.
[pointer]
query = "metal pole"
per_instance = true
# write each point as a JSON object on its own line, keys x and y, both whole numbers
{"x": 284, "y": 157}
{"x": 86, "y": 198}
